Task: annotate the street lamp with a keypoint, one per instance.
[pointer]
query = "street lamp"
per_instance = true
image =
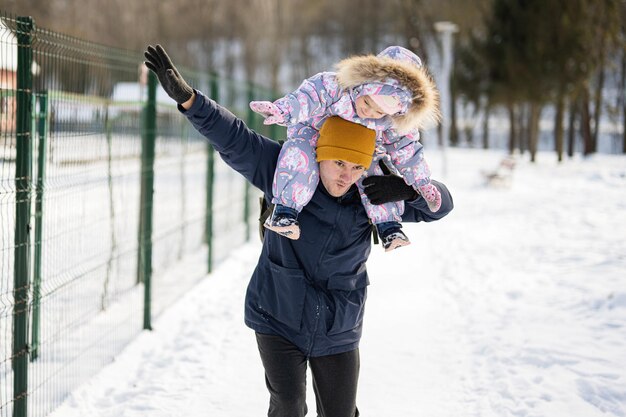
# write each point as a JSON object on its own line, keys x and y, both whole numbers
{"x": 445, "y": 30}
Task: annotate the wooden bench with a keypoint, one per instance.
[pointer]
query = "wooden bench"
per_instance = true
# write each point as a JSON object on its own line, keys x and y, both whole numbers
{"x": 502, "y": 175}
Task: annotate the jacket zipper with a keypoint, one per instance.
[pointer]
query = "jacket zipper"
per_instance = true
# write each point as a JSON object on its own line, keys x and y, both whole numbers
{"x": 315, "y": 324}
{"x": 319, "y": 301}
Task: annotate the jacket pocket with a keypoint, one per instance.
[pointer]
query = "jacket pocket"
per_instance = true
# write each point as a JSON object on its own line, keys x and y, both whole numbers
{"x": 348, "y": 294}
{"x": 282, "y": 295}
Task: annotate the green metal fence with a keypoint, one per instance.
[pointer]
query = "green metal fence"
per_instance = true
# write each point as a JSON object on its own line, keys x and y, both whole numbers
{"x": 104, "y": 189}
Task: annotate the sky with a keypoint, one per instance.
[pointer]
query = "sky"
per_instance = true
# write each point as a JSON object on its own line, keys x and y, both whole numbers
{"x": 514, "y": 305}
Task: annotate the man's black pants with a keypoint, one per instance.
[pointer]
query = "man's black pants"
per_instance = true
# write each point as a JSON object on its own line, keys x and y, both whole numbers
{"x": 335, "y": 379}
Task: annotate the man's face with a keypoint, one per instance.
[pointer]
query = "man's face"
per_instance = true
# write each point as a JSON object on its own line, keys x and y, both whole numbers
{"x": 338, "y": 176}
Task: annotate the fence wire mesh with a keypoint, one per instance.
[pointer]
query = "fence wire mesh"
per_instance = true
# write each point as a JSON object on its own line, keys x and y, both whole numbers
{"x": 85, "y": 298}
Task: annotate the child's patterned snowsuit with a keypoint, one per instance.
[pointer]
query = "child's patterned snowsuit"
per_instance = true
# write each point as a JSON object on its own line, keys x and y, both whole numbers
{"x": 334, "y": 94}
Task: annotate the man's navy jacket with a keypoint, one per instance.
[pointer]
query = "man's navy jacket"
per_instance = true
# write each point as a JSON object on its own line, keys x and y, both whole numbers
{"x": 310, "y": 291}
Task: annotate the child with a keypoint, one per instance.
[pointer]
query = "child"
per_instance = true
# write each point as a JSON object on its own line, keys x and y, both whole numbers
{"x": 390, "y": 93}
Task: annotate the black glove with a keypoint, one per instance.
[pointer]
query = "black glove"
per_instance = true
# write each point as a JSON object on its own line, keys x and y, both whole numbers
{"x": 386, "y": 188}
{"x": 169, "y": 77}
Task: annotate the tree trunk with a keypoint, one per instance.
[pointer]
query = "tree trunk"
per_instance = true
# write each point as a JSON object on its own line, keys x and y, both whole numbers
{"x": 373, "y": 24}
{"x": 623, "y": 98}
{"x": 558, "y": 125}
{"x": 414, "y": 24}
{"x": 598, "y": 105}
{"x": 471, "y": 127}
{"x": 624, "y": 126}
{"x": 585, "y": 122}
{"x": 469, "y": 135}
{"x": 454, "y": 129}
{"x": 571, "y": 133}
{"x": 512, "y": 128}
{"x": 486, "y": 125}
{"x": 229, "y": 65}
{"x": 440, "y": 135}
{"x": 522, "y": 129}
{"x": 275, "y": 52}
{"x": 533, "y": 129}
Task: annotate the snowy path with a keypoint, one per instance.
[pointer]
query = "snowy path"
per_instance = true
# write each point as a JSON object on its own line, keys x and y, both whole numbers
{"x": 514, "y": 305}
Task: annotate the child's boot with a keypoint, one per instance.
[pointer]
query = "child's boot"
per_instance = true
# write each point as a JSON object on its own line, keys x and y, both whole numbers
{"x": 284, "y": 222}
{"x": 432, "y": 196}
{"x": 392, "y": 236}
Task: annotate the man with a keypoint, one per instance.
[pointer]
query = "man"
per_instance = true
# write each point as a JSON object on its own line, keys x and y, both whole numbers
{"x": 306, "y": 297}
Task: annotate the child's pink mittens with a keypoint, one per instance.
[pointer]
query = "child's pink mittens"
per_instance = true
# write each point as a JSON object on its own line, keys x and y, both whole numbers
{"x": 269, "y": 111}
{"x": 432, "y": 196}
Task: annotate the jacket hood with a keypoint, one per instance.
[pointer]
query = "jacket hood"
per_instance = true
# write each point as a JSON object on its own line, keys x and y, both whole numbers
{"x": 402, "y": 65}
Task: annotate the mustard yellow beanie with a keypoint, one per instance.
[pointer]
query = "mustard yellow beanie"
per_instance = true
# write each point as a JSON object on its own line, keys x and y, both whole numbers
{"x": 346, "y": 141}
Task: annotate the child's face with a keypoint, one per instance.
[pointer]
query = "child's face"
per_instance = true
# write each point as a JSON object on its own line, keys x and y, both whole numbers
{"x": 367, "y": 109}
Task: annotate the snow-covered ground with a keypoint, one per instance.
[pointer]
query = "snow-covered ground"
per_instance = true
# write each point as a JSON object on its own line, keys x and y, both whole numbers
{"x": 513, "y": 305}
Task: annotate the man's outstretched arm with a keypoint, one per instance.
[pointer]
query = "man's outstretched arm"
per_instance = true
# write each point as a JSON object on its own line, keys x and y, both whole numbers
{"x": 252, "y": 155}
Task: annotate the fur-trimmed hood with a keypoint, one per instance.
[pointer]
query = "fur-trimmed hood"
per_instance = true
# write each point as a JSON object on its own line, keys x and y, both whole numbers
{"x": 399, "y": 64}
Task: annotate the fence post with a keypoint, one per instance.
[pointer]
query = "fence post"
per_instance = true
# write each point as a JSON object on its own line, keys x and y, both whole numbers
{"x": 208, "y": 230}
{"x": 246, "y": 204}
{"x": 23, "y": 164}
{"x": 108, "y": 126}
{"x": 146, "y": 203}
{"x": 184, "y": 142}
{"x": 42, "y": 128}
